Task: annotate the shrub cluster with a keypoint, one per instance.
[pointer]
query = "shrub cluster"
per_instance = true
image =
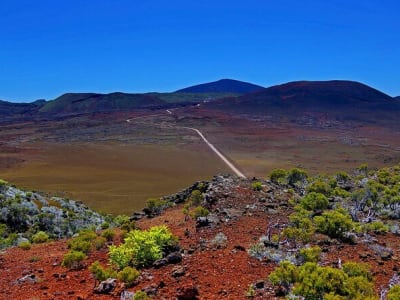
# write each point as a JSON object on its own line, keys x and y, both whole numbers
{"x": 141, "y": 248}
{"x": 312, "y": 281}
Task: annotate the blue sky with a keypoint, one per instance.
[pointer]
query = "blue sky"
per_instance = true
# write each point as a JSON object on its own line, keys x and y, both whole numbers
{"x": 51, "y": 47}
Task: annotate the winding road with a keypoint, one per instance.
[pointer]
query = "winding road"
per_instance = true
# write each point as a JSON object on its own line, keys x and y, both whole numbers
{"x": 220, "y": 155}
{"x": 212, "y": 147}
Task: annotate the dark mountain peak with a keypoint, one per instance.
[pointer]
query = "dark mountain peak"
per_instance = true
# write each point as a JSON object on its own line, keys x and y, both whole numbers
{"x": 339, "y": 89}
{"x": 222, "y": 86}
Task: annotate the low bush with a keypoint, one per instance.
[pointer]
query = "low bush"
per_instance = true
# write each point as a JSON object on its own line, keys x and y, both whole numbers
{"x": 311, "y": 254}
{"x": 334, "y": 223}
{"x": 100, "y": 273}
{"x": 108, "y": 234}
{"x": 128, "y": 275}
{"x": 312, "y": 281}
{"x": 142, "y": 248}
{"x": 394, "y": 293}
{"x": 25, "y": 245}
{"x": 278, "y": 176}
{"x": 40, "y": 237}
{"x": 140, "y": 295}
{"x": 256, "y": 186}
{"x": 73, "y": 260}
{"x": 314, "y": 201}
{"x": 199, "y": 211}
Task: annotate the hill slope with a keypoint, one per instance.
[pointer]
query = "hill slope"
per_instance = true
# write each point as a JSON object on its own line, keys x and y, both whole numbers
{"x": 222, "y": 86}
{"x": 337, "y": 98}
{"x": 73, "y": 103}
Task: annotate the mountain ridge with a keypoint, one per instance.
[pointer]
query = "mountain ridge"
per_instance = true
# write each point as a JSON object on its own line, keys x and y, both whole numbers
{"x": 222, "y": 86}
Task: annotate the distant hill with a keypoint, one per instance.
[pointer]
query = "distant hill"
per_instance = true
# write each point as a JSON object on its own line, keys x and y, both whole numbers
{"x": 16, "y": 110}
{"x": 73, "y": 103}
{"x": 339, "y": 99}
{"x": 397, "y": 98}
{"x": 222, "y": 86}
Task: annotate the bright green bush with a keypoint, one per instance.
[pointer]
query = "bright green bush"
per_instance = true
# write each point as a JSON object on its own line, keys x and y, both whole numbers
{"x": 314, "y": 201}
{"x": 40, "y": 237}
{"x": 141, "y": 248}
{"x": 334, "y": 223}
{"x": 73, "y": 260}
{"x": 128, "y": 275}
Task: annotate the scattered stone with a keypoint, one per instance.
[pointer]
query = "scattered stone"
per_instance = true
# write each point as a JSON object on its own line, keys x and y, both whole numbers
{"x": 178, "y": 271}
{"x": 30, "y": 278}
{"x": 126, "y": 295}
{"x": 174, "y": 258}
{"x": 189, "y": 292}
{"x": 239, "y": 248}
{"x": 160, "y": 263}
{"x": 260, "y": 284}
{"x": 106, "y": 287}
{"x": 150, "y": 290}
{"x": 202, "y": 222}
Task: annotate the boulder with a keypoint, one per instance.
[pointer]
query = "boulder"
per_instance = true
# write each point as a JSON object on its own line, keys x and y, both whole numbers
{"x": 106, "y": 287}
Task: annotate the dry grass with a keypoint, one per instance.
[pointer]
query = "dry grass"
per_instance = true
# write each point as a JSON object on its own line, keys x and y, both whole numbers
{"x": 114, "y": 178}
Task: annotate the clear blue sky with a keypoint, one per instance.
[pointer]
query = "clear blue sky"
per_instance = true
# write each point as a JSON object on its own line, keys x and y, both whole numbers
{"x": 55, "y": 46}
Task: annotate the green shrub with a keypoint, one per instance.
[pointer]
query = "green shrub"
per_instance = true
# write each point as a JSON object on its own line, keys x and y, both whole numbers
{"x": 40, "y": 237}
{"x": 394, "y": 293}
{"x": 256, "y": 186}
{"x": 296, "y": 175}
{"x": 314, "y": 201}
{"x": 79, "y": 244}
{"x": 105, "y": 225}
{"x": 278, "y": 176}
{"x": 320, "y": 187}
{"x": 99, "y": 242}
{"x": 311, "y": 254}
{"x": 108, "y": 234}
{"x": 121, "y": 219}
{"x": 3, "y": 183}
{"x": 334, "y": 223}
{"x": 196, "y": 198}
{"x": 128, "y": 275}
{"x": 26, "y": 245}
{"x": 199, "y": 211}
{"x": 353, "y": 269}
{"x": 141, "y": 248}
{"x": 100, "y": 273}
{"x": 312, "y": 281}
{"x": 140, "y": 295}
{"x": 73, "y": 260}
{"x": 377, "y": 227}
{"x": 156, "y": 205}
{"x": 285, "y": 275}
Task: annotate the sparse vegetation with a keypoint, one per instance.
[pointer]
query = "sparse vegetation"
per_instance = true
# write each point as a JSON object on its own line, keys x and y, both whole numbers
{"x": 128, "y": 275}
{"x": 73, "y": 260}
{"x": 40, "y": 237}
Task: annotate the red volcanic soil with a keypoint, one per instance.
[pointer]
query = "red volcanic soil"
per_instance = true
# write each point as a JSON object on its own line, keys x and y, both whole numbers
{"x": 216, "y": 271}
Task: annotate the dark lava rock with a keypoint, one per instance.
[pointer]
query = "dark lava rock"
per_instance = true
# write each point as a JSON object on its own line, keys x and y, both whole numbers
{"x": 106, "y": 287}
{"x": 187, "y": 293}
{"x": 174, "y": 258}
{"x": 160, "y": 263}
{"x": 202, "y": 222}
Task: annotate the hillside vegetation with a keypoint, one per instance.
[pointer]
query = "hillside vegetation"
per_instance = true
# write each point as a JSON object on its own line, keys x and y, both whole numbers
{"x": 290, "y": 235}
